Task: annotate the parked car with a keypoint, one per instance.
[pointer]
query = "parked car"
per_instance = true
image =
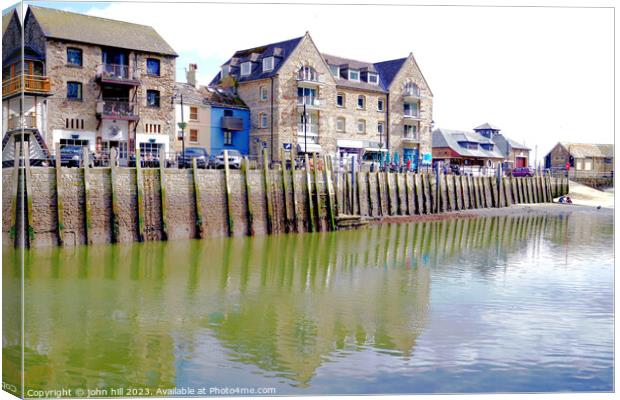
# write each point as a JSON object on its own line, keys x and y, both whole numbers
{"x": 234, "y": 159}
{"x": 146, "y": 161}
{"x": 71, "y": 156}
{"x": 455, "y": 169}
{"x": 522, "y": 171}
{"x": 199, "y": 153}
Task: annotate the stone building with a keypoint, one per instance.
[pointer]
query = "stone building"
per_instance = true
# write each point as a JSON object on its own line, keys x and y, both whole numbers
{"x": 584, "y": 159}
{"x": 110, "y": 83}
{"x": 321, "y": 103}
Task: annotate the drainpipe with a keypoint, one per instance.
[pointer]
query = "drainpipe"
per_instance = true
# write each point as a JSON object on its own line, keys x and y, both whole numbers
{"x": 387, "y": 121}
{"x": 271, "y": 112}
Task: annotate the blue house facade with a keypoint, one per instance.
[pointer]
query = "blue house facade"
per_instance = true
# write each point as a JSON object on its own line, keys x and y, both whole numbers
{"x": 230, "y": 128}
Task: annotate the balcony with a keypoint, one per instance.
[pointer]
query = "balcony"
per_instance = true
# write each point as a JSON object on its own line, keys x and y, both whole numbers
{"x": 412, "y": 114}
{"x": 311, "y": 103}
{"x": 232, "y": 123}
{"x": 116, "y": 73}
{"x": 411, "y": 138}
{"x": 308, "y": 77}
{"x": 312, "y": 132}
{"x": 16, "y": 122}
{"x": 33, "y": 84}
{"x": 112, "y": 109}
{"x": 411, "y": 94}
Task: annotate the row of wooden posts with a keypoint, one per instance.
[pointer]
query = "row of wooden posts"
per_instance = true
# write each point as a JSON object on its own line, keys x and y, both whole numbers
{"x": 431, "y": 193}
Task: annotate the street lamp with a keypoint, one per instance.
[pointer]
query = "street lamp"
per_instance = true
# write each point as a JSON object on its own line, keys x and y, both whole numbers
{"x": 305, "y": 120}
{"x": 181, "y": 125}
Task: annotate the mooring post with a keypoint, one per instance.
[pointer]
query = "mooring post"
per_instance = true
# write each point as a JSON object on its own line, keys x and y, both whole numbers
{"x": 408, "y": 194}
{"x": 309, "y": 202}
{"x": 248, "y": 201}
{"x": 317, "y": 194}
{"x": 369, "y": 195}
{"x": 437, "y": 188}
{"x": 399, "y": 191}
{"x": 15, "y": 193}
{"x": 419, "y": 193}
{"x": 229, "y": 205}
{"x": 379, "y": 194}
{"x": 329, "y": 192}
{"x": 115, "y": 210}
{"x": 388, "y": 190}
{"x": 287, "y": 220}
{"x": 358, "y": 190}
{"x": 294, "y": 190}
{"x": 28, "y": 178}
{"x": 60, "y": 225}
{"x": 140, "y": 191}
{"x": 162, "y": 195}
{"x": 86, "y": 183}
{"x": 267, "y": 190}
{"x": 197, "y": 201}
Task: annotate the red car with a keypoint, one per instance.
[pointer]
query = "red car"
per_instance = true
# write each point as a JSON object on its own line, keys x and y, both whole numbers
{"x": 523, "y": 171}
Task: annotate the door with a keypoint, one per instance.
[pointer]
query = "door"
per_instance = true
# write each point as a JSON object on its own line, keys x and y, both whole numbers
{"x": 520, "y": 162}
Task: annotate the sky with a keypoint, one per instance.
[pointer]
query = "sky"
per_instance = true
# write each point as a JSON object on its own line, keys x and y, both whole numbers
{"x": 542, "y": 74}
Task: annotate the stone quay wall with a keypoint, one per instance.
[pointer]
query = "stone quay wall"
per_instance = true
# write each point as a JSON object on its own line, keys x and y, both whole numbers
{"x": 75, "y": 206}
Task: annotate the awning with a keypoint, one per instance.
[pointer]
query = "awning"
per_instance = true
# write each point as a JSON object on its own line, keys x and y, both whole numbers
{"x": 312, "y": 148}
{"x": 375, "y": 149}
{"x": 350, "y": 144}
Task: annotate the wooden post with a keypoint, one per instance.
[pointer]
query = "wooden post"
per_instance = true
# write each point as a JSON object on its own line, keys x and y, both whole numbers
{"x": 427, "y": 194}
{"x": 317, "y": 195}
{"x": 15, "y": 192}
{"x": 473, "y": 203}
{"x": 494, "y": 191}
{"x": 513, "y": 190}
{"x": 267, "y": 190}
{"x": 388, "y": 192}
{"x": 488, "y": 195}
{"x": 435, "y": 193}
{"x": 248, "y": 197}
{"x": 398, "y": 193}
{"x": 162, "y": 193}
{"x": 548, "y": 184}
{"x": 86, "y": 183}
{"x": 28, "y": 179}
{"x": 287, "y": 220}
{"x": 197, "y": 201}
{"x": 450, "y": 186}
{"x": 379, "y": 194}
{"x": 115, "y": 210}
{"x": 330, "y": 192}
{"x": 464, "y": 192}
{"x": 309, "y": 202}
{"x": 294, "y": 190}
{"x": 419, "y": 193}
{"x": 229, "y": 209}
{"x": 358, "y": 191}
{"x": 507, "y": 191}
{"x": 369, "y": 195}
{"x": 408, "y": 194}
{"x": 60, "y": 224}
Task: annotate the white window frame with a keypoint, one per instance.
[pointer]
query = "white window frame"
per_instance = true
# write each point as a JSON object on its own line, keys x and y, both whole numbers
{"x": 344, "y": 99}
{"x": 246, "y": 65}
{"x": 225, "y": 70}
{"x": 344, "y": 124}
{"x": 380, "y": 104}
{"x": 266, "y": 61}
{"x": 355, "y": 71}
{"x": 262, "y": 120}
{"x": 376, "y": 77}
{"x": 264, "y": 96}
{"x": 361, "y": 121}
{"x": 337, "y": 74}
{"x": 363, "y": 107}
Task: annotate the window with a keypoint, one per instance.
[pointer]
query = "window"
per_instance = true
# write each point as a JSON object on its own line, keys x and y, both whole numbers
{"x": 380, "y": 105}
{"x": 74, "y": 91}
{"x": 268, "y": 64}
{"x": 608, "y": 160}
{"x": 361, "y": 126}
{"x": 307, "y": 74}
{"x": 263, "y": 120}
{"x": 411, "y": 131}
{"x": 246, "y": 68}
{"x": 307, "y": 96}
{"x": 361, "y": 102}
{"x": 354, "y": 75}
{"x": 74, "y": 123}
{"x": 152, "y": 128}
{"x": 228, "y": 113}
{"x": 373, "y": 78}
{"x": 148, "y": 148}
{"x": 228, "y": 138}
{"x": 340, "y": 124}
{"x": 380, "y": 127}
{"x": 193, "y": 113}
{"x": 193, "y": 135}
{"x": 74, "y": 56}
{"x": 335, "y": 70}
{"x": 587, "y": 164}
{"x": 411, "y": 89}
{"x": 340, "y": 99}
{"x": 152, "y": 66}
{"x": 152, "y": 98}
{"x": 411, "y": 109}
{"x": 225, "y": 70}
{"x": 263, "y": 93}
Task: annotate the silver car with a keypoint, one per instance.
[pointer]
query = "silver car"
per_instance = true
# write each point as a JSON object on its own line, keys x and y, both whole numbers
{"x": 234, "y": 159}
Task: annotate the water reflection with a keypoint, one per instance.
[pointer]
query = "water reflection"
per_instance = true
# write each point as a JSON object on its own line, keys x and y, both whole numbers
{"x": 159, "y": 314}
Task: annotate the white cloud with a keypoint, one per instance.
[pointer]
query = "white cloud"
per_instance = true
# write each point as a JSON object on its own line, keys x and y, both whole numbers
{"x": 541, "y": 74}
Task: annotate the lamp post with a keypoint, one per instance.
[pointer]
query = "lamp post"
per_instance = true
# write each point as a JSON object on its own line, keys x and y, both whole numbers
{"x": 305, "y": 120}
{"x": 181, "y": 125}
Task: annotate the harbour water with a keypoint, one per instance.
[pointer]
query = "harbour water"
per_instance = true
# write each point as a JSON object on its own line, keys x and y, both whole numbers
{"x": 490, "y": 304}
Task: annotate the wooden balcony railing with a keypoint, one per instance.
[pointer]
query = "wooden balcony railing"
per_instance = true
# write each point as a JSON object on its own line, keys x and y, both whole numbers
{"x": 28, "y": 121}
{"x": 32, "y": 84}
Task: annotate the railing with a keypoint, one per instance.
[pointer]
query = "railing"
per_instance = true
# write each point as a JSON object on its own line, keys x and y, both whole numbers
{"x": 117, "y": 109}
{"x": 411, "y": 137}
{"x": 232, "y": 123}
{"x": 28, "y": 121}
{"x": 311, "y": 129}
{"x": 307, "y": 75}
{"x": 116, "y": 72}
{"x": 412, "y": 113}
{"x": 32, "y": 84}
{"x": 308, "y": 101}
{"x": 412, "y": 92}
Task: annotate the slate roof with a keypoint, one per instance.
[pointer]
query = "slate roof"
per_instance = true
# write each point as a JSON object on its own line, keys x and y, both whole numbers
{"x": 580, "y": 150}
{"x": 6, "y": 19}
{"x": 280, "y": 51}
{"x": 486, "y": 125}
{"x": 363, "y": 66}
{"x": 201, "y": 95}
{"x": 82, "y": 28}
{"x": 451, "y": 138}
{"x": 388, "y": 70}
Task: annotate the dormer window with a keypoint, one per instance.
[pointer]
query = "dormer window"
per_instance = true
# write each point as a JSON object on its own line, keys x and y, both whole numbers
{"x": 335, "y": 70}
{"x": 225, "y": 70}
{"x": 373, "y": 78}
{"x": 354, "y": 75}
{"x": 268, "y": 64}
{"x": 246, "y": 68}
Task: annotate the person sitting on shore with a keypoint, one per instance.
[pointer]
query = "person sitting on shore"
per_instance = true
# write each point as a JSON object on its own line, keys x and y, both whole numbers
{"x": 562, "y": 199}
{"x": 568, "y": 200}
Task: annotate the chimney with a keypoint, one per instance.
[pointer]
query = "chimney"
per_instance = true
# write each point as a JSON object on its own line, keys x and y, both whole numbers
{"x": 191, "y": 74}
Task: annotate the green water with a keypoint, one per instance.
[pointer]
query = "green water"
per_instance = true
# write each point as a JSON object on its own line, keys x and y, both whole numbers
{"x": 521, "y": 303}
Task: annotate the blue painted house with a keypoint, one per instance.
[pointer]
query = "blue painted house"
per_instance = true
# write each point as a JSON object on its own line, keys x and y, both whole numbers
{"x": 230, "y": 122}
